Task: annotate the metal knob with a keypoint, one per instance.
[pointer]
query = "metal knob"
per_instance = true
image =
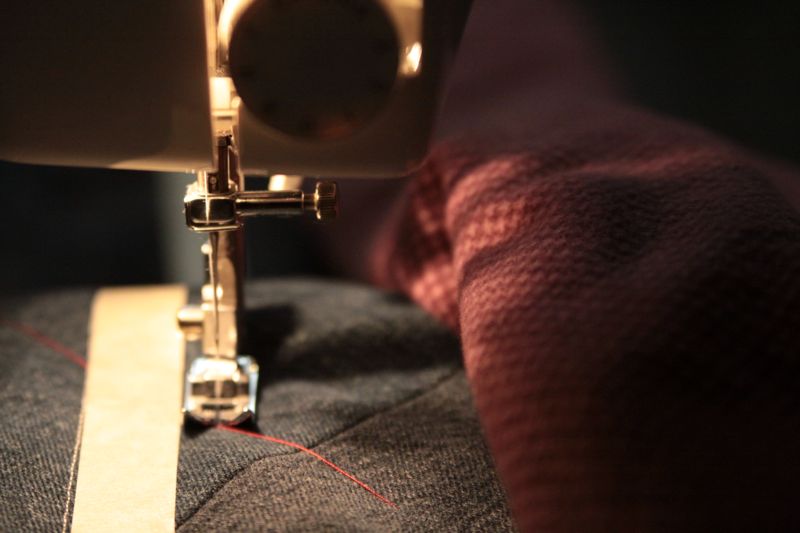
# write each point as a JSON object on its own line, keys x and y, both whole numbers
{"x": 315, "y": 70}
{"x": 326, "y": 200}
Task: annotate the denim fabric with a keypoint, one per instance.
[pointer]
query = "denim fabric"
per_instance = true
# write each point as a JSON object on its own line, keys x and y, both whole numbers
{"x": 363, "y": 378}
{"x": 40, "y": 394}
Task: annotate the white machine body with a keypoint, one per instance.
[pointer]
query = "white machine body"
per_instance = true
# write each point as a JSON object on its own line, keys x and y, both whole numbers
{"x": 136, "y": 85}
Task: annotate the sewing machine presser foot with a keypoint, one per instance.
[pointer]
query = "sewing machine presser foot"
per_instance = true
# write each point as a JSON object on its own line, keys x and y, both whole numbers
{"x": 222, "y": 384}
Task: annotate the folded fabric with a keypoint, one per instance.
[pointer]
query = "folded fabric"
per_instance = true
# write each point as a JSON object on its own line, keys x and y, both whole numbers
{"x": 626, "y": 289}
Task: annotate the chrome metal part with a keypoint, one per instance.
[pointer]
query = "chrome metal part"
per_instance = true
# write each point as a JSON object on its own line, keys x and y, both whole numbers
{"x": 214, "y": 212}
{"x": 221, "y": 384}
{"x": 220, "y": 390}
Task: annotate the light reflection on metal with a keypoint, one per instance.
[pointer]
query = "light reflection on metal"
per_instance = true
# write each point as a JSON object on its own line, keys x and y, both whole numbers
{"x": 412, "y": 59}
{"x": 228, "y": 16}
{"x": 282, "y": 182}
{"x": 407, "y": 17}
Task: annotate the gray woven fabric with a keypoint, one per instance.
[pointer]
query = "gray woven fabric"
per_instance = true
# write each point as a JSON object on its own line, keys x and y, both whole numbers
{"x": 363, "y": 378}
{"x": 426, "y": 455}
{"x": 40, "y": 393}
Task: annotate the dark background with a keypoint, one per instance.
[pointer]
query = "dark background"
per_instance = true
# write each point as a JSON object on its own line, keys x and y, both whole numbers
{"x": 732, "y": 67}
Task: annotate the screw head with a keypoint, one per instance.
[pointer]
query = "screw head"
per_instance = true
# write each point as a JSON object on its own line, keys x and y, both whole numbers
{"x": 326, "y": 200}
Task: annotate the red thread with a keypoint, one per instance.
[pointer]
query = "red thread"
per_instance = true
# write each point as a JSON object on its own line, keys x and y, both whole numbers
{"x": 79, "y": 360}
{"x": 314, "y": 454}
{"x": 46, "y": 341}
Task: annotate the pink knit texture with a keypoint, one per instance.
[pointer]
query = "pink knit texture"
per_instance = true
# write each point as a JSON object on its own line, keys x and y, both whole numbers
{"x": 627, "y": 292}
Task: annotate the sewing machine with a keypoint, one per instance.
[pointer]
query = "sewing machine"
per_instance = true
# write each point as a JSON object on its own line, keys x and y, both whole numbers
{"x": 223, "y": 88}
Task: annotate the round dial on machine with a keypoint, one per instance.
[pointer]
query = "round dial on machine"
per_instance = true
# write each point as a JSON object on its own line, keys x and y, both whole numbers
{"x": 314, "y": 69}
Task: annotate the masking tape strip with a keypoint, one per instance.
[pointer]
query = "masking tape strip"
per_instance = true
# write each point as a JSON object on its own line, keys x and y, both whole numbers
{"x": 132, "y": 412}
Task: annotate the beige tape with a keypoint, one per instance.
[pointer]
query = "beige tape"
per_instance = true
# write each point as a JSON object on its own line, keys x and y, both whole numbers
{"x": 131, "y": 407}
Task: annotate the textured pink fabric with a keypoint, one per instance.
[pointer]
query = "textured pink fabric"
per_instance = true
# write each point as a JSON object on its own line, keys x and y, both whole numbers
{"x": 626, "y": 288}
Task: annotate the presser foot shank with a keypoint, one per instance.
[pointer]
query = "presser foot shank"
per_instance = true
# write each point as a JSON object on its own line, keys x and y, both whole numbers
{"x": 222, "y": 384}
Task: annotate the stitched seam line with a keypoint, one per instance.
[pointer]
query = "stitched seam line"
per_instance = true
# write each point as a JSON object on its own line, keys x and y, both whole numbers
{"x": 339, "y": 434}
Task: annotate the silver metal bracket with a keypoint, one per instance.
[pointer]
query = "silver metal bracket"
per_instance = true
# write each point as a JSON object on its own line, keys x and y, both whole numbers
{"x": 221, "y": 384}
{"x": 220, "y": 390}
